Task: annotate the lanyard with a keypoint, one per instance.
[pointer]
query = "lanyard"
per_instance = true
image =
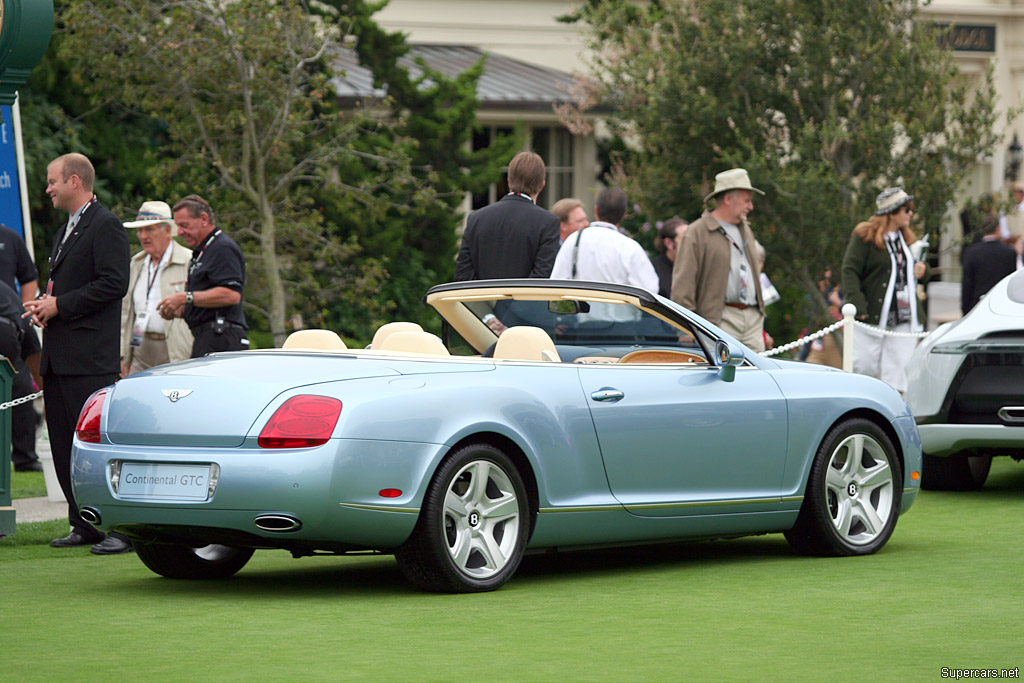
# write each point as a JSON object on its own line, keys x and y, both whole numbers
{"x": 731, "y": 240}
{"x": 514, "y": 193}
{"x": 150, "y": 279}
{"x": 899, "y": 256}
{"x": 197, "y": 258}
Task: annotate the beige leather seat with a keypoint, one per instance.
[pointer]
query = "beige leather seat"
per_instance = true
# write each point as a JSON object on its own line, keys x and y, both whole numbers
{"x": 413, "y": 342}
{"x": 526, "y": 343}
{"x": 386, "y": 330}
{"x": 320, "y": 340}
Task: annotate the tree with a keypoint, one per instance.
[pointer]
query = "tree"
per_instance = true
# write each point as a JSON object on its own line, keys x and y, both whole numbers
{"x": 57, "y": 119}
{"x": 825, "y": 102}
{"x": 242, "y": 88}
{"x": 415, "y": 241}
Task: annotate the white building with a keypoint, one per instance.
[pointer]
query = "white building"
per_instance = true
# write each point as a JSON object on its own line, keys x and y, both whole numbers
{"x": 984, "y": 32}
{"x": 532, "y": 58}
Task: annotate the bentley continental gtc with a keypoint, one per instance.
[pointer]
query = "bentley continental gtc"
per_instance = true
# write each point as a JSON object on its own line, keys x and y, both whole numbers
{"x": 548, "y": 415}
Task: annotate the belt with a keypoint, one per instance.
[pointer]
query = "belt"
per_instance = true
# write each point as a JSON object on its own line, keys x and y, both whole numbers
{"x": 10, "y": 322}
{"x": 157, "y": 336}
{"x": 742, "y": 307}
{"x": 203, "y": 327}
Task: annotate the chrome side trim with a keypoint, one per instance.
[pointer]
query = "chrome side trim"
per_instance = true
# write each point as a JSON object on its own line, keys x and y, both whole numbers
{"x": 580, "y": 508}
{"x": 669, "y": 506}
{"x": 707, "y": 503}
{"x": 380, "y": 508}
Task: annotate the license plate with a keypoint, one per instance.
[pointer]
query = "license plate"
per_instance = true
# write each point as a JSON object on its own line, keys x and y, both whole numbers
{"x": 164, "y": 481}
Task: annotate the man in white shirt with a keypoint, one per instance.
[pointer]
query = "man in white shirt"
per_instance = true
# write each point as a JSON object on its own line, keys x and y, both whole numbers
{"x": 1012, "y": 224}
{"x": 159, "y": 270}
{"x": 601, "y": 253}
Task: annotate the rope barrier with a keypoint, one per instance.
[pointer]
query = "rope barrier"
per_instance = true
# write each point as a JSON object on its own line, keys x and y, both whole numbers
{"x": 890, "y": 333}
{"x": 849, "y": 320}
{"x": 19, "y": 401}
{"x": 803, "y": 340}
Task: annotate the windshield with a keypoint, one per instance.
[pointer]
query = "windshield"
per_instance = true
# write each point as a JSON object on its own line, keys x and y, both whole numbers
{"x": 581, "y": 327}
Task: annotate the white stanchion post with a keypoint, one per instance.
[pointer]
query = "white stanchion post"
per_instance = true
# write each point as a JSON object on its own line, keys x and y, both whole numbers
{"x": 849, "y": 313}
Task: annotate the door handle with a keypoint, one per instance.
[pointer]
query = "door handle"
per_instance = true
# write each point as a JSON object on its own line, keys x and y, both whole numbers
{"x": 608, "y": 395}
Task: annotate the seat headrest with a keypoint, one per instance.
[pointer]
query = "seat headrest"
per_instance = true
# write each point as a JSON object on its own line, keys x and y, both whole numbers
{"x": 384, "y": 331}
{"x": 414, "y": 342}
{"x": 320, "y": 340}
{"x": 526, "y": 343}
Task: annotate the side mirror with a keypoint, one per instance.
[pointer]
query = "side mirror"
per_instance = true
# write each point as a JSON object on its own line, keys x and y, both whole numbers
{"x": 729, "y": 356}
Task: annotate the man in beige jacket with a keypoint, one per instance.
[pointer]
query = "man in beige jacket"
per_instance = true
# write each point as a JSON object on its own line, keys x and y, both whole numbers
{"x": 717, "y": 274}
{"x": 157, "y": 271}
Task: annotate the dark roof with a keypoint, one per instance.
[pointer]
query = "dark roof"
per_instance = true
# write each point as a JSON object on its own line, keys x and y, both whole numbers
{"x": 506, "y": 82}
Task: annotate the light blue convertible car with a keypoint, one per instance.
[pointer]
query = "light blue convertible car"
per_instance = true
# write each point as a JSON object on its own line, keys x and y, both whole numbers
{"x": 552, "y": 414}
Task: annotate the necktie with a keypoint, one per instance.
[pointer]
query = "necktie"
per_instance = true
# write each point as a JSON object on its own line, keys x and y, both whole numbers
{"x": 68, "y": 230}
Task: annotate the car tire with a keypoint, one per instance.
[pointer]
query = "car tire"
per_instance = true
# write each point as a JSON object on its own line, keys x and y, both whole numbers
{"x": 473, "y": 526}
{"x": 853, "y": 493}
{"x": 180, "y": 561}
{"x": 957, "y": 472}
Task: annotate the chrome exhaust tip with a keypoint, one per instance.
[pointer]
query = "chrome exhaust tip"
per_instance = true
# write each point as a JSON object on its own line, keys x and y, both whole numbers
{"x": 1013, "y": 414}
{"x": 90, "y": 515}
{"x": 277, "y": 523}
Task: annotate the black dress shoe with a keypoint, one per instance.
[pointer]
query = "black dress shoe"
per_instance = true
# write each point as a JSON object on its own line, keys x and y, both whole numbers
{"x": 73, "y": 540}
{"x": 111, "y": 545}
{"x": 34, "y": 466}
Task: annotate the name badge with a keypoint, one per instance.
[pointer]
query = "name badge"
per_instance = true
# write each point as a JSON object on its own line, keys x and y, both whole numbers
{"x": 139, "y": 328}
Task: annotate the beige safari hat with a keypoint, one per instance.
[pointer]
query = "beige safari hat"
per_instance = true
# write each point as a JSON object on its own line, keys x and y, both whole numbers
{"x": 733, "y": 179}
{"x": 154, "y": 213}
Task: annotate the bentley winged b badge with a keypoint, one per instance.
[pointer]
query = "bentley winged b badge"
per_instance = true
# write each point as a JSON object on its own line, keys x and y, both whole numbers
{"x": 175, "y": 394}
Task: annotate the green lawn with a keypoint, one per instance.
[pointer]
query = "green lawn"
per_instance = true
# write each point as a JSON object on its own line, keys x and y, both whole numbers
{"x": 27, "y": 484}
{"x": 945, "y": 592}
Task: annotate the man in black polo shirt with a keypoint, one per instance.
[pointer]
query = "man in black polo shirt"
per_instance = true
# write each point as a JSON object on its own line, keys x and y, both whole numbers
{"x": 19, "y": 343}
{"x": 18, "y": 270}
{"x": 212, "y": 301}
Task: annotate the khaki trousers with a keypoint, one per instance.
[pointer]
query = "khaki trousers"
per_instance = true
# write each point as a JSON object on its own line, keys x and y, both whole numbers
{"x": 150, "y": 353}
{"x": 747, "y": 325}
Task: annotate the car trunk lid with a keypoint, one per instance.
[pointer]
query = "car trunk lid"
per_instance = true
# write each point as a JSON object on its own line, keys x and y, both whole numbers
{"x": 214, "y": 404}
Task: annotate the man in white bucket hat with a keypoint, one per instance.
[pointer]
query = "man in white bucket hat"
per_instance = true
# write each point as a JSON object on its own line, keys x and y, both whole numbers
{"x": 717, "y": 273}
{"x": 158, "y": 270}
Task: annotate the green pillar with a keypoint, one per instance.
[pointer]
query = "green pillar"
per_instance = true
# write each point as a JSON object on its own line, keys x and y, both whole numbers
{"x": 25, "y": 28}
{"x": 7, "y": 522}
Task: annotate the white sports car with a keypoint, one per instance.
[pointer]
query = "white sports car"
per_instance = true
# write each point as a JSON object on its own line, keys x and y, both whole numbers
{"x": 966, "y": 390}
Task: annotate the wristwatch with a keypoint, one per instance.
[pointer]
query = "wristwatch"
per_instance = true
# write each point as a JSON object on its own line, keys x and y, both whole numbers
{"x": 188, "y": 298}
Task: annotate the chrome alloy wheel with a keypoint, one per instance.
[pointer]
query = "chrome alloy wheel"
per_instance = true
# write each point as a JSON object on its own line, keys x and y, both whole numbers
{"x": 860, "y": 489}
{"x": 481, "y": 519}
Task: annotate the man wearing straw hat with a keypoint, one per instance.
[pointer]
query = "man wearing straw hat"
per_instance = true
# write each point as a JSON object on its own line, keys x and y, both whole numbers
{"x": 716, "y": 273}
{"x": 160, "y": 269}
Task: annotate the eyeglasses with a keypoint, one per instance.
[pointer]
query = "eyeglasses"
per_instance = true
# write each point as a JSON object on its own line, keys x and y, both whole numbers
{"x": 908, "y": 209}
{"x": 149, "y": 229}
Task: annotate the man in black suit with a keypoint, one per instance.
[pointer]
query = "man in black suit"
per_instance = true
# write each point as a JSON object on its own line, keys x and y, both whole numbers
{"x": 80, "y": 313}
{"x": 985, "y": 263}
{"x": 512, "y": 238}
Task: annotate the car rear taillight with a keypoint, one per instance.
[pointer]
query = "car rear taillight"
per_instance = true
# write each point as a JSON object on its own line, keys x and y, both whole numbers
{"x": 88, "y": 427}
{"x": 301, "y": 422}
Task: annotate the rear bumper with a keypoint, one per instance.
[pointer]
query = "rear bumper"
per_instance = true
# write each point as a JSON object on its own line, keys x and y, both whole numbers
{"x": 333, "y": 490}
{"x": 942, "y": 440}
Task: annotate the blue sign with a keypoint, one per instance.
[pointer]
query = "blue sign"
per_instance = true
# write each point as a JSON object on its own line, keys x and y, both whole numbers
{"x": 10, "y": 190}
